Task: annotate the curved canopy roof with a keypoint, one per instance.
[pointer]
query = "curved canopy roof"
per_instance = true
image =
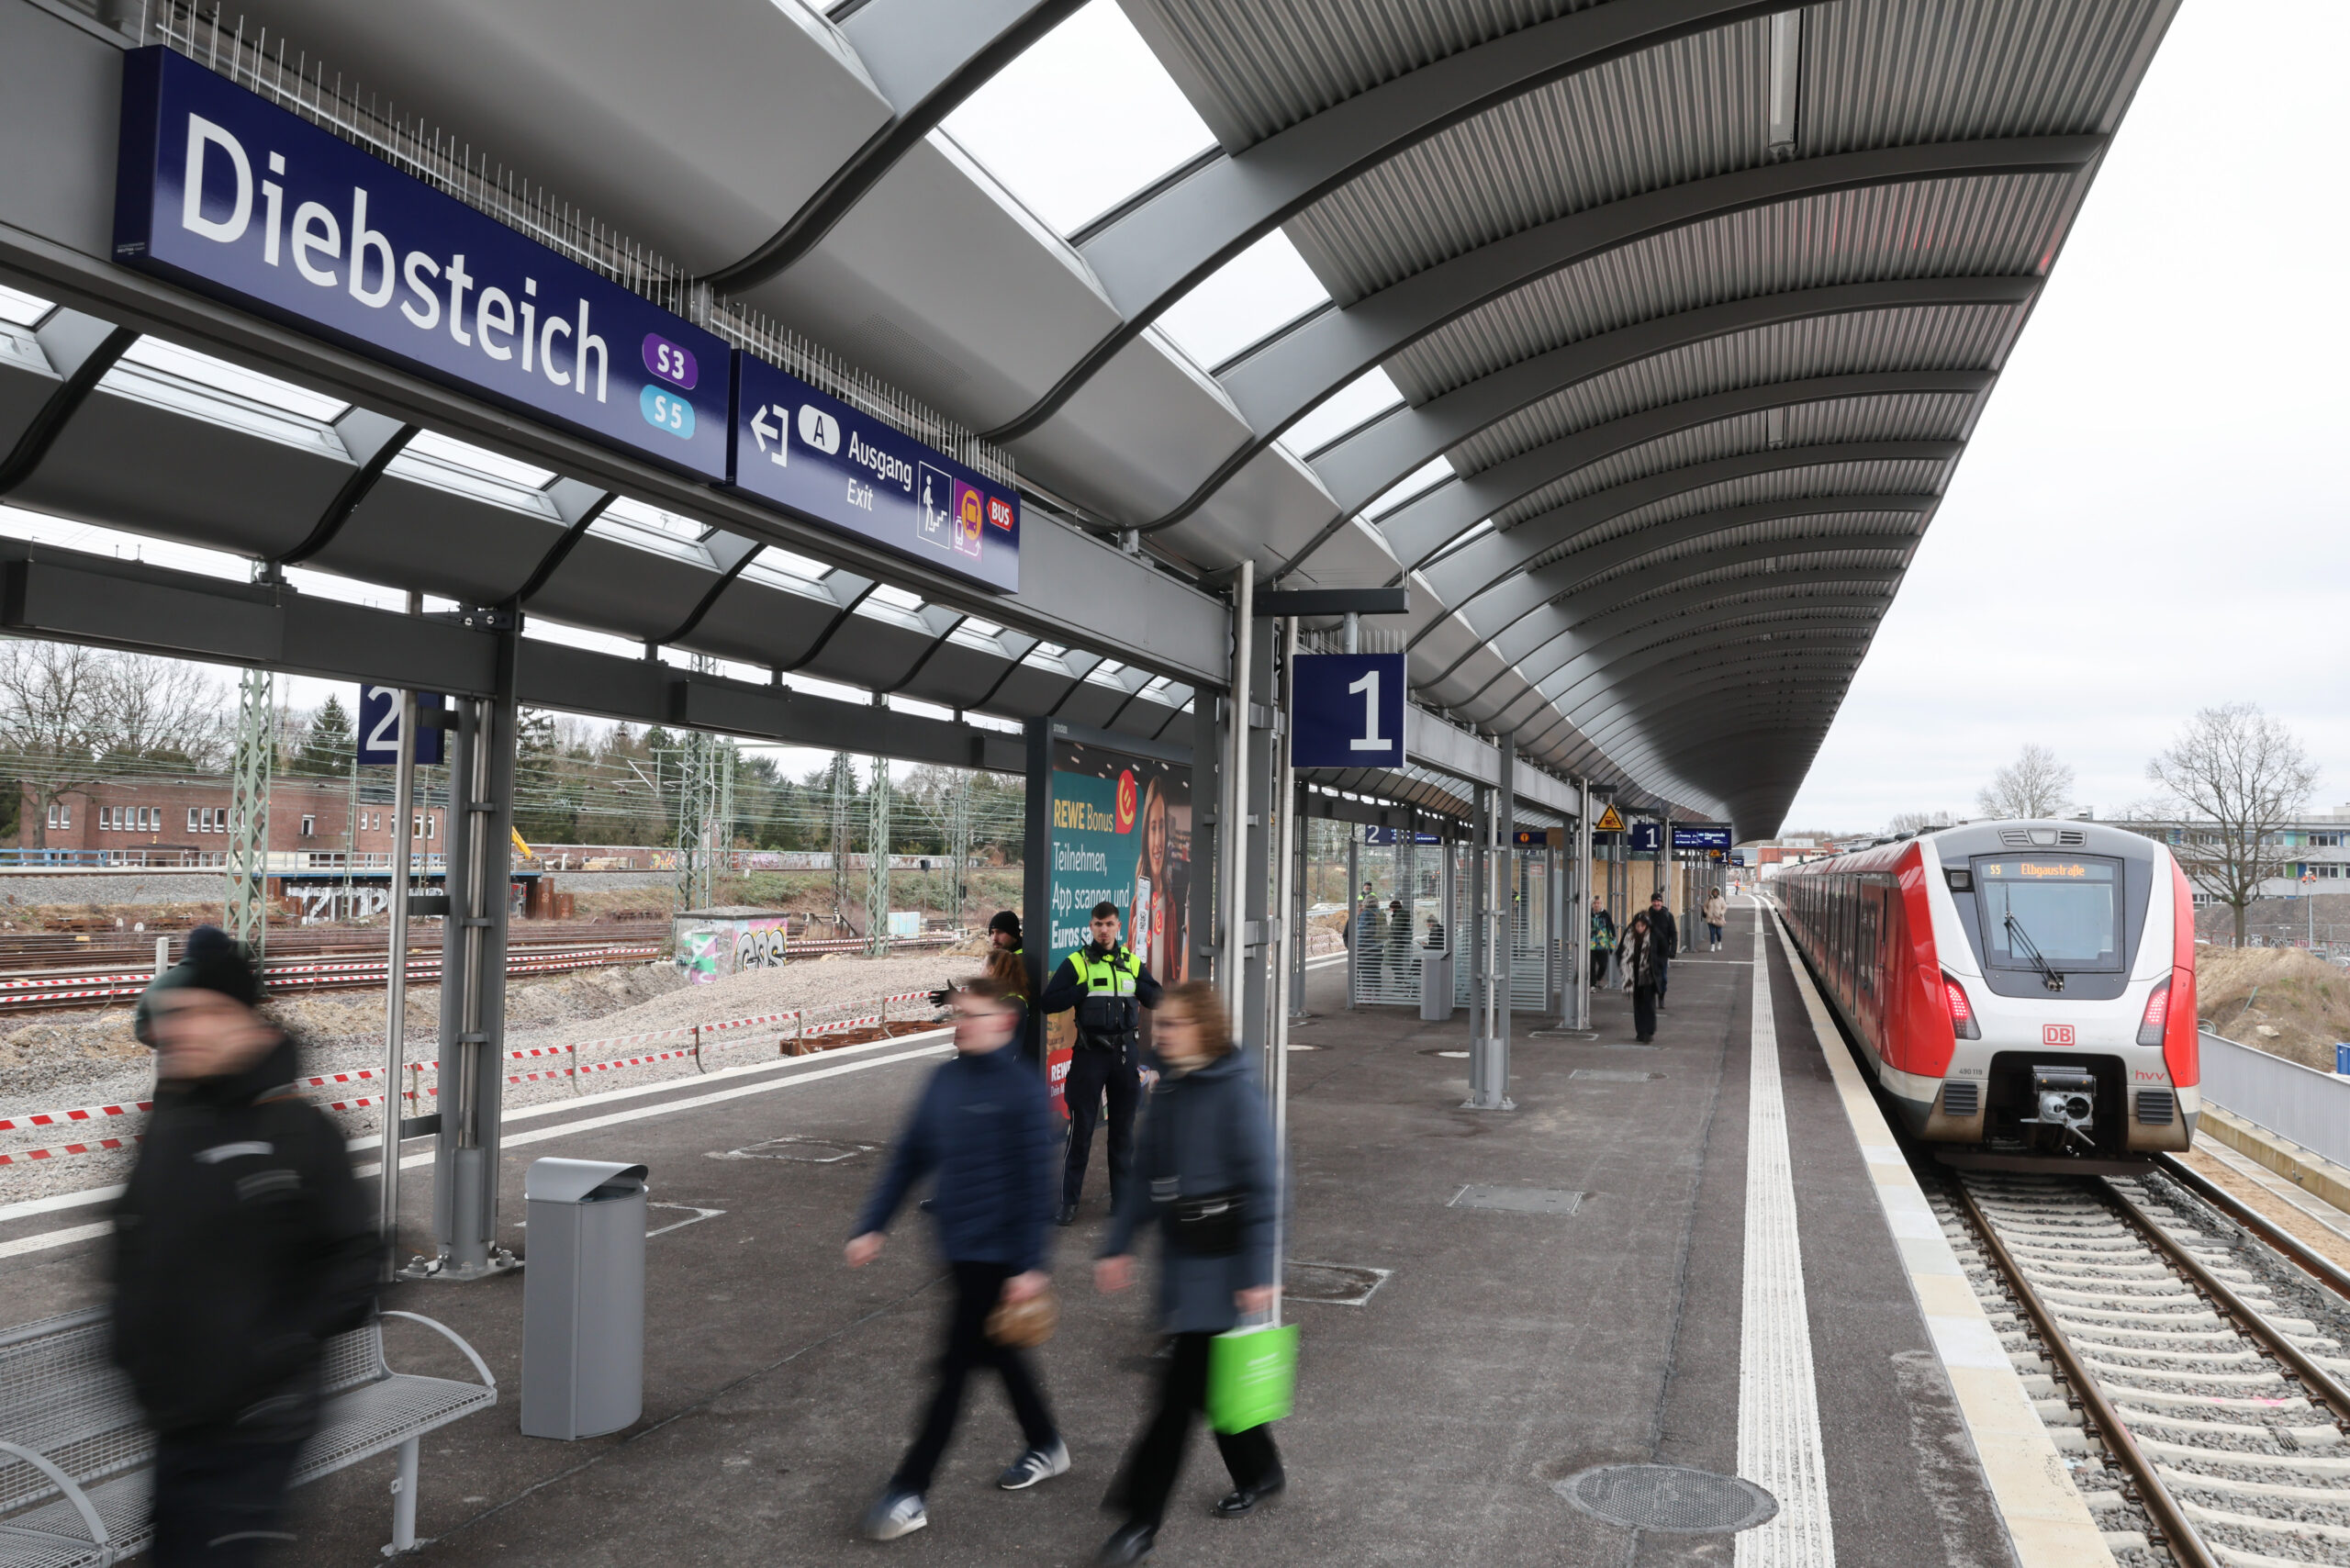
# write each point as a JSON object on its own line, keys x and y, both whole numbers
{"x": 1645, "y": 334}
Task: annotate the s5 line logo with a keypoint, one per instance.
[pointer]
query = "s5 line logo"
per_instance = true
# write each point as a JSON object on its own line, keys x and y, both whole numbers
{"x": 2056, "y": 1034}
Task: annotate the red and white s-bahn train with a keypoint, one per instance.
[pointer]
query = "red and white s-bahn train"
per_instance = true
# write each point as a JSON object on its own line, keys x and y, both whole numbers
{"x": 2026, "y": 986}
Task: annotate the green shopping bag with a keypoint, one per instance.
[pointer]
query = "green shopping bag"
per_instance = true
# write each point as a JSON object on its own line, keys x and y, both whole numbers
{"x": 1252, "y": 1377}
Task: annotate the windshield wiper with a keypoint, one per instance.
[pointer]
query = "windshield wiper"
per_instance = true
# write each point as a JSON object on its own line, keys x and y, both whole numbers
{"x": 2018, "y": 937}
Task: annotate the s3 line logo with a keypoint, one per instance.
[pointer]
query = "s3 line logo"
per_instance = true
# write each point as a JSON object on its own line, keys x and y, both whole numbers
{"x": 2056, "y": 1034}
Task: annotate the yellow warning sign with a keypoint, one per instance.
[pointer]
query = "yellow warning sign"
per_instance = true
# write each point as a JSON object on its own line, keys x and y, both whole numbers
{"x": 1609, "y": 822}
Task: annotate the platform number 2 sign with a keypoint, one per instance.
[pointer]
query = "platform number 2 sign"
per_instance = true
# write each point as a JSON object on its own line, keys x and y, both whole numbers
{"x": 379, "y": 726}
{"x": 1348, "y": 711}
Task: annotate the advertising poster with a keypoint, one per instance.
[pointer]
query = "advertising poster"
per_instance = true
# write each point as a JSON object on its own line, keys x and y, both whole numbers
{"x": 1119, "y": 828}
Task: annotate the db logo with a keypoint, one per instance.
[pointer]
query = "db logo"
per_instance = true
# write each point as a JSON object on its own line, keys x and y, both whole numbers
{"x": 2056, "y": 1034}
{"x": 1127, "y": 801}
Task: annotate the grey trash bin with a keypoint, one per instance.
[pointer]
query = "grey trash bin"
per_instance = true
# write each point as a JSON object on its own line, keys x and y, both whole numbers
{"x": 1436, "y": 987}
{"x": 583, "y": 1298}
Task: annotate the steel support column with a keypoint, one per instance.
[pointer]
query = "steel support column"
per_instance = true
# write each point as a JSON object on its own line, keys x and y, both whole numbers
{"x": 1489, "y": 1056}
{"x": 479, "y": 825}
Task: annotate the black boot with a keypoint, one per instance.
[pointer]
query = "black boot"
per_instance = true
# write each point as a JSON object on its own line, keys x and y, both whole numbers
{"x": 1128, "y": 1543}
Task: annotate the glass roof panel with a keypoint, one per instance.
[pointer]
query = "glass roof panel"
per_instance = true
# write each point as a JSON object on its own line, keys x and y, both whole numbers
{"x": 1263, "y": 287}
{"x": 157, "y": 354}
{"x": 896, "y": 598}
{"x": 1081, "y": 122}
{"x": 1372, "y": 392}
{"x": 644, "y": 515}
{"x": 462, "y": 454}
{"x": 22, "y": 309}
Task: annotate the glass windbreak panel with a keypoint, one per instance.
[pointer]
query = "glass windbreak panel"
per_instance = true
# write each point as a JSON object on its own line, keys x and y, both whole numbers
{"x": 2067, "y": 908}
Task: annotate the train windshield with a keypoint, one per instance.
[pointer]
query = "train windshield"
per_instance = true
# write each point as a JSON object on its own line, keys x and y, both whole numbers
{"x": 2063, "y": 911}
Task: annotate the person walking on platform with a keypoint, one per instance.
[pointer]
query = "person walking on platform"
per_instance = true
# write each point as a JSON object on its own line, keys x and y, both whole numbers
{"x": 1637, "y": 955}
{"x": 241, "y": 1244}
{"x": 1603, "y": 941}
{"x": 983, "y": 1129}
{"x": 1716, "y": 916}
{"x": 1207, "y": 1180}
{"x": 1107, "y": 985}
{"x": 1664, "y": 934}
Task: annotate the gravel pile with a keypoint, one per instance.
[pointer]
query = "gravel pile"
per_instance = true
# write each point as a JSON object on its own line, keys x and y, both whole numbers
{"x": 152, "y": 887}
{"x": 59, "y": 1061}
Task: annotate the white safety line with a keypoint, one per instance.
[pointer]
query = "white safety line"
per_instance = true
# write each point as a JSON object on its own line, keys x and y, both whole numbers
{"x": 2047, "y": 1523}
{"x": 1778, "y": 1403}
{"x": 54, "y": 1238}
{"x": 540, "y": 1134}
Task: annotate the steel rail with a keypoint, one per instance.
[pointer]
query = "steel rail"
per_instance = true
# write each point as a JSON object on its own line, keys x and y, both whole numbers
{"x": 2181, "y": 1538}
{"x": 2318, "y": 1266}
{"x": 2248, "y": 1317}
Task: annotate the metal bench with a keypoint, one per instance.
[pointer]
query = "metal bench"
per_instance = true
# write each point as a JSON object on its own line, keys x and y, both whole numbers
{"x": 76, "y": 1450}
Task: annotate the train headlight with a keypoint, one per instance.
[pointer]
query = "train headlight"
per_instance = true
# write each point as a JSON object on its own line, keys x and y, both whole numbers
{"x": 2150, "y": 1027}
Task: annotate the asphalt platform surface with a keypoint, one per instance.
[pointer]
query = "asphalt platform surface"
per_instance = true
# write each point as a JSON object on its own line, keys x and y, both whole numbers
{"x": 1500, "y": 1351}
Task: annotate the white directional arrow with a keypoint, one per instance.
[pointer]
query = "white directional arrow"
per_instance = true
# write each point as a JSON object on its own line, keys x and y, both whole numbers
{"x": 769, "y": 434}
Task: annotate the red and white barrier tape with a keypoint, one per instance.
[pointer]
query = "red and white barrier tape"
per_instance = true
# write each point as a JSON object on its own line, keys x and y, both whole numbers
{"x": 137, "y": 1107}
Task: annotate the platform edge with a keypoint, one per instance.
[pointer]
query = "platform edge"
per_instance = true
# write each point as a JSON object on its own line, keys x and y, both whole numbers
{"x": 2047, "y": 1523}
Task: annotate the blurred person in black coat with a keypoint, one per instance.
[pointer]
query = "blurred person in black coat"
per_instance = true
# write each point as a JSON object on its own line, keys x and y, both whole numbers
{"x": 241, "y": 1244}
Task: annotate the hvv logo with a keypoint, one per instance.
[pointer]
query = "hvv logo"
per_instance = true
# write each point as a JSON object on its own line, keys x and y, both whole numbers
{"x": 223, "y": 190}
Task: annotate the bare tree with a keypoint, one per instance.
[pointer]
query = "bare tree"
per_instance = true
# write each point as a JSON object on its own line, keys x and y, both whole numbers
{"x": 2234, "y": 776}
{"x": 1917, "y": 821}
{"x": 2034, "y": 785}
{"x": 71, "y": 715}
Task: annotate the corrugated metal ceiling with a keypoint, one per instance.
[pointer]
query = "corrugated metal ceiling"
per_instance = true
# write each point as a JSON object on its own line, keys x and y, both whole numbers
{"x": 1940, "y": 338}
{"x": 1998, "y": 227}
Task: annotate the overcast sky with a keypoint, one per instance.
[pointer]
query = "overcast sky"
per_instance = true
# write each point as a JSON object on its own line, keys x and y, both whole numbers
{"x": 2150, "y": 518}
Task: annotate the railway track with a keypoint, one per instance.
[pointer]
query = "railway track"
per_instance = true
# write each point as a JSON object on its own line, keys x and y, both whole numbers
{"x": 52, "y": 989}
{"x": 2192, "y": 1373}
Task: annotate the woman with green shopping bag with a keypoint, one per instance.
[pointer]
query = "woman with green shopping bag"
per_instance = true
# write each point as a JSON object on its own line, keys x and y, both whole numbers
{"x": 1205, "y": 1176}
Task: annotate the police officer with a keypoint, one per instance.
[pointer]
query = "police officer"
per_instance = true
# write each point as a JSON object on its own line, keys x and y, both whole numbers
{"x": 1107, "y": 984}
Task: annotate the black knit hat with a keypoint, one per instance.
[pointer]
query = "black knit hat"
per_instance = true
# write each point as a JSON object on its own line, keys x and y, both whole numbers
{"x": 1006, "y": 922}
{"x": 212, "y": 960}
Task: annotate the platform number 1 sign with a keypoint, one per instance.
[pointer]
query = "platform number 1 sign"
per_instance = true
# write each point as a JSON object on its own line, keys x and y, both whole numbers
{"x": 1349, "y": 711}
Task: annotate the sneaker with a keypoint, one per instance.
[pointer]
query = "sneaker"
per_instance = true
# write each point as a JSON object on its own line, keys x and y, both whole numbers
{"x": 894, "y": 1514}
{"x": 1036, "y": 1464}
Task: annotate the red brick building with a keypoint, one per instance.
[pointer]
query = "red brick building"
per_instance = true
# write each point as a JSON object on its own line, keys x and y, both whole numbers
{"x": 167, "y": 817}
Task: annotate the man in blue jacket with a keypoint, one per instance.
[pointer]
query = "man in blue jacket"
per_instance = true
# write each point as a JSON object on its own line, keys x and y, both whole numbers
{"x": 983, "y": 1128}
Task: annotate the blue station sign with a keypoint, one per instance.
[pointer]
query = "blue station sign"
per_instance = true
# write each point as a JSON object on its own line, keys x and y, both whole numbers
{"x": 1397, "y": 835}
{"x": 1701, "y": 838}
{"x": 1646, "y": 838}
{"x": 837, "y": 465}
{"x": 221, "y": 190}
{"x": 1347, "y": 710}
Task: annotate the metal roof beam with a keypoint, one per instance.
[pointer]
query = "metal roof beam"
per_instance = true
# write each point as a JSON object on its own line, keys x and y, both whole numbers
{"x": 74, "y": 596}
{"x": 1485, "y": 562}
{"x": 1433, "y": 519}
{"x": 1725, "y": 556}
{"x": 1542, "y": 633}
{"x": 925, "y": 57}
{"x": 1377, "y": 455}
{"x": 1284, "y": 379}
{"x": 1148, "y": 254}
{"x": 1596, "y": 639}
{"x": 1558, "y": 584}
